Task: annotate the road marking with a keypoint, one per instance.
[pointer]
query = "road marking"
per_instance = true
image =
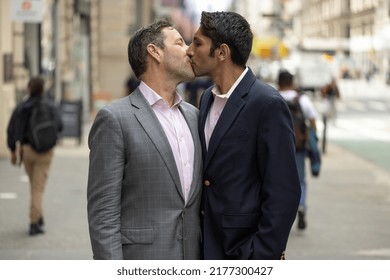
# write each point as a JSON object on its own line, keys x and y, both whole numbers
{"x": 358, "y": 129}
{"x": 8, "y": 195}
{"x": 341, "y": 107}
{"x": 23, "y": 178}
{"x": 377, "y": 105}
{"x": 356, "y": 105}
{"x": 366, "y": 130}
{"x": 383, "y": 252}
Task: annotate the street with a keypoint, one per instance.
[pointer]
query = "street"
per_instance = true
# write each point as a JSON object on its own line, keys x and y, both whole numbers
{"x": 348, "y": 205}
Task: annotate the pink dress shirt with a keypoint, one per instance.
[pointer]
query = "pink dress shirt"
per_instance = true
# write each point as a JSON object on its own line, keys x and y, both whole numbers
{"x": 177, "y": 132}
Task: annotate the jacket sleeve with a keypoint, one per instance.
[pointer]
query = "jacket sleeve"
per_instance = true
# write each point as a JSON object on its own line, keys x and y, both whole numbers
{"x": 11, "y": 131}
{"x": 106, "y": 164}
{"x": 16, "y": 126}
{"x": 281, "y": 188}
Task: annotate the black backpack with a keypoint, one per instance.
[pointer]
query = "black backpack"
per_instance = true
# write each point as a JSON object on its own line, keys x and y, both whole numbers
{"x": 42, "y": 128}
{"x": 301, "y": 129}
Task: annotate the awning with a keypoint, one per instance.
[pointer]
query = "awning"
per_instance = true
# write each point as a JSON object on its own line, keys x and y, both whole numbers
{"x": 269, "y": 48}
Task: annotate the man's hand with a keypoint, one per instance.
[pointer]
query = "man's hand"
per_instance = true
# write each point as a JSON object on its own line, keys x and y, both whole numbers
{"x": 17, "y": 155}
{"x": 13, "y": 157}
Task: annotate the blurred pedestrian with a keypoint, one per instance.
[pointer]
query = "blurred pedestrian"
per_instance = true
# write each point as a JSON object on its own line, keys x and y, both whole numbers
{"x": 131, "y": 84}
{"x": 250, "y": 180}
{"x": 144, "y": 184}
{"x": 196, "y": 86}
{"x": 286, "y": 88}
{"x": 330, "y": 93}
{"x": 22, "y": 143}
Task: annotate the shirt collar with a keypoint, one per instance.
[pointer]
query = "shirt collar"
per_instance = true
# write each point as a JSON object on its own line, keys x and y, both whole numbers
{"x": 216, "y": 91}
{"x": 152, "y": 97}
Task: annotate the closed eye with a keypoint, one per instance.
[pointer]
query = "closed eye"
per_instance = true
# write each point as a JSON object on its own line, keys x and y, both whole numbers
{"x": 180, "y": 42}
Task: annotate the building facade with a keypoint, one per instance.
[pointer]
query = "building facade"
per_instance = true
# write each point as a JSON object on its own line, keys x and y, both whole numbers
{"x": 357, "y": 29}
{"x": 78, "y": 46}
{"x": 50, "y": 38}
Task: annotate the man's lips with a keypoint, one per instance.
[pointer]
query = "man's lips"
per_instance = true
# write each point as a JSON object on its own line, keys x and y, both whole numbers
{"x": 192, "y": 63}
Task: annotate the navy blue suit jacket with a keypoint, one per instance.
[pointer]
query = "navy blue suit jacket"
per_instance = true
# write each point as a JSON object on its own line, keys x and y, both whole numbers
{"x": 251, "y": 189}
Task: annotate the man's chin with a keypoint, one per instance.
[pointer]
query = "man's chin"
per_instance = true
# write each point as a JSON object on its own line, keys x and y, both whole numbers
{"x": 192, "y": 75}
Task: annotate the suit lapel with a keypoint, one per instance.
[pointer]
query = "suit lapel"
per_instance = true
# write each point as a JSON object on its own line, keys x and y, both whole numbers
{"x": 233, "y": 107}
{"x": 229, "y": 113}
{"x": 207, "y": 99}
{"x": 149, "y": 121}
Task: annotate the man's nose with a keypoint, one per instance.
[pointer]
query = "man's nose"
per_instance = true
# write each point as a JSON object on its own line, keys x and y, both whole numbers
{"x": 189, "y": 51}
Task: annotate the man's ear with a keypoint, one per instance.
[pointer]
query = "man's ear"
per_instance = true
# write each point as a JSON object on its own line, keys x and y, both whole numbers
{"x": 223, "y": 52}
{"x": 154, "y": 51}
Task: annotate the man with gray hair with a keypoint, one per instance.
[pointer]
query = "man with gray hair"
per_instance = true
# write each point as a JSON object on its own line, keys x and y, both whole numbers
{"x": 144, "y": 182}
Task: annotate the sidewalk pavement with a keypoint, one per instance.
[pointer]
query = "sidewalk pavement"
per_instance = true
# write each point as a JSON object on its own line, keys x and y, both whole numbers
{"x": 348, "y": 215}
{"x": 65, "y": 212}
{"x": 348, "y": 211}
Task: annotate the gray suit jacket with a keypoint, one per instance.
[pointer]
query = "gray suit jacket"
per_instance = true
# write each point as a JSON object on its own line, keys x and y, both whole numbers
{"x": 136, "y": 208}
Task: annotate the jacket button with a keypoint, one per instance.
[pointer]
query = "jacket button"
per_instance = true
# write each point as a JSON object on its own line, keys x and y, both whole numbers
{"x": 202, "y": 212}
{"x": 207, "y": 183}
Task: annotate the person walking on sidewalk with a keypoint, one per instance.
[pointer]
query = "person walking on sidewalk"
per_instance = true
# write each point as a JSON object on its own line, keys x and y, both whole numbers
{"x": 21, "y": 143}
{"x": 330, "y": 92}
{"x": 287, "y": 90}
{"x": 250, "y": 180}
{"x": 144, "y": 183}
